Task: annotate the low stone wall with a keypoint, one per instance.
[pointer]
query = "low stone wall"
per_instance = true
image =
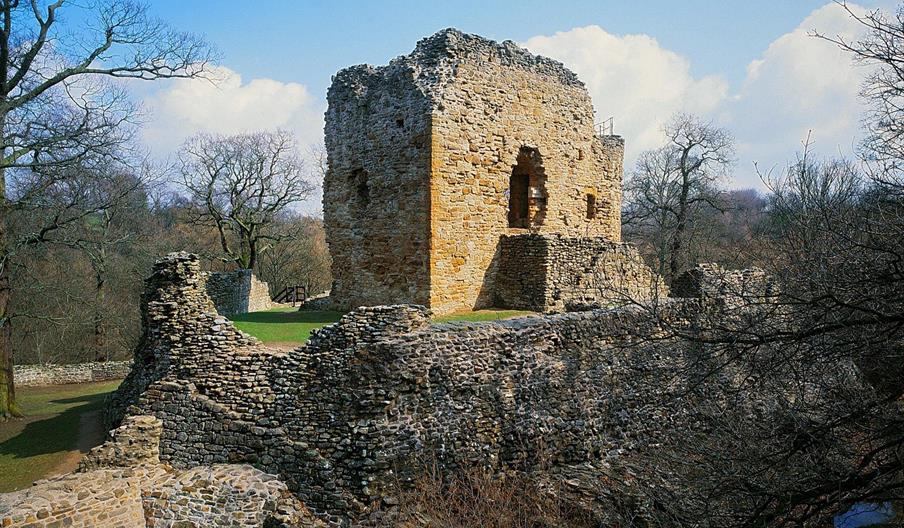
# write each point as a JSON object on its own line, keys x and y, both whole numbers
{"x": 122, "y": 484}
{"x": 53, "y": 374}
{"x": 134, "y": 443}
{"x": 238, "y": 292}
{"x": 557, "y": 273}
{"x": 350, "y": 416}
{"x": 110, "y": 498}
{"x": 710, "y": 280}
{"x": 221, "y": 495}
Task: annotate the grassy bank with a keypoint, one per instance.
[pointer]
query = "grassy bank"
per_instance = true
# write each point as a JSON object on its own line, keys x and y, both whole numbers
{"x": 289, "y": 326}
{"x": 47, "y": 440}
{"x": 476, "y": 316}
{"x": 284, "y": 325}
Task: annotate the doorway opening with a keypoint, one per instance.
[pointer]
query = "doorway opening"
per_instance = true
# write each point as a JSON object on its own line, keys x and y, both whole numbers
{"x": 527, "y": 190}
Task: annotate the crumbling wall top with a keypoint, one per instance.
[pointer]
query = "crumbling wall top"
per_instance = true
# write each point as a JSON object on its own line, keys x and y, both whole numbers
{"x": 433, "y": 62}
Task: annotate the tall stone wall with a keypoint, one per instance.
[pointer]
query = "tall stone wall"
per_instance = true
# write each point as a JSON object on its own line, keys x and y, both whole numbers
{"x": 347, "y": 417}
{"x": 61, "y": 374}
{"x": 557, "y": 273}
{"x": 178, "y": 317}
{"x": 238, "y": 292}
{"x": 501, "y": 100}
{"x": 376, "y": 196}
{"x": 422, "y": 158}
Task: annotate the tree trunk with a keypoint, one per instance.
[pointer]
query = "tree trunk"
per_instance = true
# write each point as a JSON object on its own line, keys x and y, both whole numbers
{"x": 8, "y": 405}
{"x": 252, "y": 253}
{"x": 680, "y": 227}
{"x": 100, "y": 331}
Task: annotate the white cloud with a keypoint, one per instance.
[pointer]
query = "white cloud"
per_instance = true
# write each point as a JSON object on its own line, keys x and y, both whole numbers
{"x": 634, "y": 79}
{"x": 229, "y": 105}
{"x": 800, "y": 83}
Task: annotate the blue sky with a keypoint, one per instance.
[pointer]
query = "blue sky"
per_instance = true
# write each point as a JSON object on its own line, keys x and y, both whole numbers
{"x": 747, "y": 66}
{"x": 308, "y": 41}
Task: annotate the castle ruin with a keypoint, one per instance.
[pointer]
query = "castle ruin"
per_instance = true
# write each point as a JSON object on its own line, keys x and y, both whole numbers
{"x": 436, "y": 157}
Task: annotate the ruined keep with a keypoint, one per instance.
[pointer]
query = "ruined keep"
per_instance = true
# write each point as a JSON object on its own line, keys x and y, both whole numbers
{"x": 436, "y": 156}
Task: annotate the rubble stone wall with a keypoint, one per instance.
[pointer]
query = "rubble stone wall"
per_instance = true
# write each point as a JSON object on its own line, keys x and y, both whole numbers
{"x": 105, "y": 499}
{"x": 345, "y": 417}
{"x": 557, "y": 273}
{"x": 714, "y": 281}
{"x": 122, "y": 484}
{"x": 222, "y": 495}
{"x": 238, "y": 292}
{"x": 61, "y": 374}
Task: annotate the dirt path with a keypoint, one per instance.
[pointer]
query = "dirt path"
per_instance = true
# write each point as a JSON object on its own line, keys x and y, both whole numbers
{"x": 90, "y": 434}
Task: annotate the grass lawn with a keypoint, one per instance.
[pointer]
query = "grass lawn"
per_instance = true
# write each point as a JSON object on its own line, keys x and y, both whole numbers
{"x": 40, "y": 444}
{"x": 290, "y": 327}
{"x": 284, "y": 325}
{"x": 481, "y": 315}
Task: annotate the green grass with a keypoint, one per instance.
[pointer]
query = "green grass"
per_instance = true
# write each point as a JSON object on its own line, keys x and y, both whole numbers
{"x": 481, "y": 315}
{"x": 290, "y": 326}
{"x": 32, "y": 447}
{"x": 284, "y": 325}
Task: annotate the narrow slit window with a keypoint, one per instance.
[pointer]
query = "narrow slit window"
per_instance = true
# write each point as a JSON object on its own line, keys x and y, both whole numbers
{"x": 361, "y": 187}
{"x": 591, "y": 207}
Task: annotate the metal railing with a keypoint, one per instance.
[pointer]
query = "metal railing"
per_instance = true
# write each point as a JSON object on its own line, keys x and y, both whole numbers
{"x": 605, "y": 127}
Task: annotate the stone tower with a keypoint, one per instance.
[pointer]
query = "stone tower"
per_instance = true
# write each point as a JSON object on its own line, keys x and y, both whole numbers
{"x": 436, "y": 156}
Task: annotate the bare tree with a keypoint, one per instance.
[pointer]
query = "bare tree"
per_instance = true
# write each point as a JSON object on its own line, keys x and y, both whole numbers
{"x": 880, "y": 50}
{"x": 86, "y": 264}
{"x": 107, "y": 231}
{"x": 301, "y": 259}
{"x": 796, "y": 395}
{"x": 672, "y": 183}
{"x": 56, "y": 110}
{"x": 241, "y": 185}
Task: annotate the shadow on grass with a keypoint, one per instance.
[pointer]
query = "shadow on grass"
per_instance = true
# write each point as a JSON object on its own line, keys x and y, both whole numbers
{"x": 56, "y": 433}
{"x": 311, "y": 316}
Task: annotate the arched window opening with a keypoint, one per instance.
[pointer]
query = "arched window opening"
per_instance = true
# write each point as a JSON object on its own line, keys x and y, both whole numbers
{"x": 527, "y": 190}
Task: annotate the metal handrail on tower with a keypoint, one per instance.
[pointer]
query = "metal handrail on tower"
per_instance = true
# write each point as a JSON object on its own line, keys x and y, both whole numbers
{"x": 605, "y": 127}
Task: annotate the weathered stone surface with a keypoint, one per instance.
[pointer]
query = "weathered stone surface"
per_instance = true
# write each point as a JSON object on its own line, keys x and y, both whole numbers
{"x": 54, "y": 374}
{"x": 553, "y": 273}
{"x": 177, "y": 317}
{"x": 157, "y": 496}
{"x": 122, "y": 484}
{"x": 710, "y": 280}
{"x": 237, "y": 292}
{"x": 347, "y": 417}
{"x": 104, "y": 499}
{"x": 134, "y": 443}
{"x": 435, "y": 156}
